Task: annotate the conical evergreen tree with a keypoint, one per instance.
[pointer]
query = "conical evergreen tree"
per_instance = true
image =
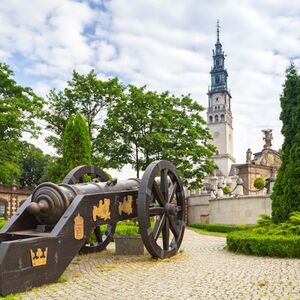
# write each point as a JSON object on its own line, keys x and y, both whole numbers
{"x": 76, "y": 143}
{"x": 286, "y": 194}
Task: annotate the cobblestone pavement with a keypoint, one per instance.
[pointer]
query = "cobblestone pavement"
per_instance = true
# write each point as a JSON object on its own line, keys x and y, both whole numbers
{"x": 203, "y": 270}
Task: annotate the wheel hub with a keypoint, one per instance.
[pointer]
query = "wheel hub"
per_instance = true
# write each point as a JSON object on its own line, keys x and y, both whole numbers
{"x": 171, "y": 209}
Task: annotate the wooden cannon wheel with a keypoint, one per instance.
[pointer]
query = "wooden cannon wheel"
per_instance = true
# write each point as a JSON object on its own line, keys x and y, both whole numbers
{"x": 161, "y": 200}
{"x": 103, "y": 235}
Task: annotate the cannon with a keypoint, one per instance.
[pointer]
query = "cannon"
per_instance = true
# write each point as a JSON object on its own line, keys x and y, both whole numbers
{"x": 54, "y": 223}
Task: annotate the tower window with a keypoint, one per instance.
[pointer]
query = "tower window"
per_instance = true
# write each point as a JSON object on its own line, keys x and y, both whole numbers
{"x": 210, "y": 119}
{"x": 216, "y": 118}
{"x": 222, "y": 118}
{"x": 217, "y": 62}
{"x": 217, "y": 99}
{"x": 217, "y": 79}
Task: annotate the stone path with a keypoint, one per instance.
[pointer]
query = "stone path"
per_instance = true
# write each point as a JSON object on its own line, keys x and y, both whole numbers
{"x": 203, "y": 270}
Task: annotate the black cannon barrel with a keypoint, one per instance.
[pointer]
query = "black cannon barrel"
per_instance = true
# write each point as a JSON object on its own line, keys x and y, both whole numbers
{"x": 49, "y": 200}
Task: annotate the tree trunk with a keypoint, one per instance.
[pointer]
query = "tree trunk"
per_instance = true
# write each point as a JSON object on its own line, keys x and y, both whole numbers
{"x": 137, "y": 162}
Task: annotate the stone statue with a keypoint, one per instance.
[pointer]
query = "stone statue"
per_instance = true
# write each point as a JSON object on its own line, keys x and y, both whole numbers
{"x": 268, "y": 138}
{"x": 248, "y": 156}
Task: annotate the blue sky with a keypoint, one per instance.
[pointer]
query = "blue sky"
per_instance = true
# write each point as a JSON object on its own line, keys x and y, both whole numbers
{"x": 164, "y": 44}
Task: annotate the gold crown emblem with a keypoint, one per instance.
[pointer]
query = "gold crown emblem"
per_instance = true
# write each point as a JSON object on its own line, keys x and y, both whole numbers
{"x": 39, "y": 258}
{"x": 78, "y": 227}
{"x": 126, "y": 205}
{"x": 102, "y": 210}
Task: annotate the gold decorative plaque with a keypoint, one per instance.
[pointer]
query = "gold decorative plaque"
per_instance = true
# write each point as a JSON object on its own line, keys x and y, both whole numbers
{"x": 39, "y": 258}
{"x": 78, "y": 227}
{"x": 102, "y": 210}
{"x": 126, "y": 205}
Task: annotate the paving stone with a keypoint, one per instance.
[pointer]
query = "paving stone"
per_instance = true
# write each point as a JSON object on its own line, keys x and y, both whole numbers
{"x": 203, "y": 270}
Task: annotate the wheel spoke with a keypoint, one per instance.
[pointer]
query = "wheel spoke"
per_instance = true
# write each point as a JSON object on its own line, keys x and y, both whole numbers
{"x": 158, "y": 226}
{"x": 174, "y": 227}
{"x": 166, "y": 234}
{"x": 158, "y": 194}
{"x": 98, "y": 234}
{"x": 156, "y": 210}
{"x": 164, "y": 183}
{"x": 172, "y": 192}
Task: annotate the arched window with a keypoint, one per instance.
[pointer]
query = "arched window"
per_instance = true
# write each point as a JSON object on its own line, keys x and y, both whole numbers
{"x": 217, "y": 79}
{"x": 222, "y": 118}
{"x": 210, "y": 119}
{"x": 216, "y": 118}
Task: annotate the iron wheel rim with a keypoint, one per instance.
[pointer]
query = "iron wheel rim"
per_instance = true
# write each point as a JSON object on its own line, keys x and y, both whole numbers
{"x": 102, "y": 240}
{"x": 162, "y": 200}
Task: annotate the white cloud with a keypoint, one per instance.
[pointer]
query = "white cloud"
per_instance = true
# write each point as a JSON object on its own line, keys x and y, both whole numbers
{"x": 164, "y": 44}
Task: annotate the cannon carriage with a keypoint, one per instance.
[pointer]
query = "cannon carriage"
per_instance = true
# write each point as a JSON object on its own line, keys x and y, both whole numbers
{"x": 54, "y": 223}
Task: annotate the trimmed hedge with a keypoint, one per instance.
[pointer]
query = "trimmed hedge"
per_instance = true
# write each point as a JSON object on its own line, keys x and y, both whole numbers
{"x": 249, "y": 242}
{"x": 124, "y": 228}
{"x": 220, "y": 227}
{"x": 259, "y": 183}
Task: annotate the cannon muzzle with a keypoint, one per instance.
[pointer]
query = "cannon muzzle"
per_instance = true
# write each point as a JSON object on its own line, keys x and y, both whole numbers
{"x": 49, "y": 201}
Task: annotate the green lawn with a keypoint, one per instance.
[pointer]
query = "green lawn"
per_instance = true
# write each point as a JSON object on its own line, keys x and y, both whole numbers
{"x": 205, "y": 232}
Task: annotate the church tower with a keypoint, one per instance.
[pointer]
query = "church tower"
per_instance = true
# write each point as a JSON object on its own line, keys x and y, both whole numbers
{"x": 219, "y": 116}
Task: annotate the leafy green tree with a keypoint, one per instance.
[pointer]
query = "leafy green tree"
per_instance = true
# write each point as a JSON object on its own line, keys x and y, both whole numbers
{"x": 144, "y": 126}
{"x": 19, "y": 106}
{"x": 86, "y": 94}
{"x": 19, "y": 109}
{"x": 76, "y": 147}
{"x": 286, "y": 193}
{"x": 33, "y": 165}
{"x": 53, "y": 171}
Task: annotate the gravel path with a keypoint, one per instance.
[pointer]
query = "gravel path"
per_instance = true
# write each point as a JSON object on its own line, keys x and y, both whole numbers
{"x": 202, "y": 270}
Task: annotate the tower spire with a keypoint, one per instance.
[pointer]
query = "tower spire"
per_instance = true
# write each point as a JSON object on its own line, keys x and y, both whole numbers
{"x": 218, "y": 31}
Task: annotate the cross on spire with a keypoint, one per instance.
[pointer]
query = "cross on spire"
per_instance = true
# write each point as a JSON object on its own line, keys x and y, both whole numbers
{"x": 218, "y": 31}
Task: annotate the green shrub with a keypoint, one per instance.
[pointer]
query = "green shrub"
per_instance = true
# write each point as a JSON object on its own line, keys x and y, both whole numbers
{"x": 220, "y": 227}
{"x": 226, "y": 189}
{"x": 123, "y": 228}
{"x": 290, "y": 227}
{"x": 259, "y": 183}
{"x": 249, "y": 242}
{"x": 127, "y": 228}
{"x": 268, "y": 238}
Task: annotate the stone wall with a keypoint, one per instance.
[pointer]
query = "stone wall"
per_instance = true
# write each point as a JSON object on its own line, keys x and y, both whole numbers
{"x": 239, "y": 210}
{"x": 198, "y": 208}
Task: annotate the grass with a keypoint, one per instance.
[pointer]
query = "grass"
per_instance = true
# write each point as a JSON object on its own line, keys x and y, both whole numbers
{"x": 2, "y": 222}
{"x": 61, "y": 280}
{"x": 205, "y": 232}
{"x": 9, "y": 297}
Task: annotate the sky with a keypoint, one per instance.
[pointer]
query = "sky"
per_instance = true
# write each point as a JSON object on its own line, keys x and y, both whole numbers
{"x": 164, "y": 44}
